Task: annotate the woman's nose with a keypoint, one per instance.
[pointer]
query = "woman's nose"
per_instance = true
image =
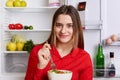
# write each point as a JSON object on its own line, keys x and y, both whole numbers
{"x": 63, "y": 30}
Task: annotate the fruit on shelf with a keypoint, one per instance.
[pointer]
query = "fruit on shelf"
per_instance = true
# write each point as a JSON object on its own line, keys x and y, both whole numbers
{"x": 17, "y": 43}
{"x": 23, "y": 3}
{"x": 18, "y": 38}
{"x": 30, "y": 27}
{"x": 17, "y": 3}
{"x": 9, "y": 3}
{"x": 11, "y": 46}
{"x": 26, "y": 27}
{"x": 18, "y": 26}
{"x": 11, "y": 26}
{"x": 19, "y": 46}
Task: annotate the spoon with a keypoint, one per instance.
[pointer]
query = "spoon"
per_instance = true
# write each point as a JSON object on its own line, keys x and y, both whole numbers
{"x": 52, "y": 64}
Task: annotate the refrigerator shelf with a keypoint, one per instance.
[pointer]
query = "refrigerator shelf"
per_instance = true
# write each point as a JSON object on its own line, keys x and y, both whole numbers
{"x": 13, "y": 74}
{"x": 116, "y": 43}
{"x": 30, "y": 9}
{"x": 92, "y": 28}
{"x": 15, "y": 52}
{"x": 22, "y": 30}
{"x": 106, "y": 72}
{"x": 48, "y": 30}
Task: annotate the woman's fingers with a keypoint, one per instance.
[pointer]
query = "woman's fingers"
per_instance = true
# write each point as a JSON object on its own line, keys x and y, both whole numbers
{"x": 44, "y": 55}
{"x": 45, "y": 51}
{"x": 46, "y": 45}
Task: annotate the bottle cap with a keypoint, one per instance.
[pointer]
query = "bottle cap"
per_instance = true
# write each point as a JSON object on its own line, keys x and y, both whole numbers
{"x": 111, "y": 54}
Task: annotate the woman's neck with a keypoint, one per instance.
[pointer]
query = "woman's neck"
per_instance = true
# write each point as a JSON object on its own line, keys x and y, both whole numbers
{"x": 64, "y": 48}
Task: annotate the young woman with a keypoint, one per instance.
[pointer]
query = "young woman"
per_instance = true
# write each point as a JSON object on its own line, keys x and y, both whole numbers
{"x": 65, "y": 46}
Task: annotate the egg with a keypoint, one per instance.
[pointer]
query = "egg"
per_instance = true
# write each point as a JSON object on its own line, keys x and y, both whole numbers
{"x": 114, "y": 37}
{"x": 108, "y": 41}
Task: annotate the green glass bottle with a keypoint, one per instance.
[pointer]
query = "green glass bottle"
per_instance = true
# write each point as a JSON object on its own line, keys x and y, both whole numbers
{"x": 100, "y": 62}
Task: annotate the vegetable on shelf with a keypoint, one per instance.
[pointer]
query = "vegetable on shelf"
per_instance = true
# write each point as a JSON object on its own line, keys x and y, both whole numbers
{"x": 28, "y": 46}
{"x": 11, "y": 26}
{"x": 19, "y": 26}
{"x": 28, "y": 27}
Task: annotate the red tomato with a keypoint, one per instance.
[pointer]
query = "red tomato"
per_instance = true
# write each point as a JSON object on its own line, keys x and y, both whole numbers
{"x": 11, "y": 26}
{"x": 18, "y": 26}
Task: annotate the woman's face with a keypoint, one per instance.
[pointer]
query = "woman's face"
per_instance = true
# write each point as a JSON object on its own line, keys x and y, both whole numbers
{"x": 64, "y": 28}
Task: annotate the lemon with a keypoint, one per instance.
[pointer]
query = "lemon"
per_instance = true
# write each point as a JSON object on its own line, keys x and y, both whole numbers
{"x": 19, "y": 46}
{"x": 11, "y": 46}
{"x": 17, "y": 3}
{"x": 9, "y": 3}
{"x": 23, "y": 3}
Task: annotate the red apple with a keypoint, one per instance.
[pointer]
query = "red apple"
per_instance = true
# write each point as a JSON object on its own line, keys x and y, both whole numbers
{"x": 18, "y": 26}
{"x": 11, "y": 26}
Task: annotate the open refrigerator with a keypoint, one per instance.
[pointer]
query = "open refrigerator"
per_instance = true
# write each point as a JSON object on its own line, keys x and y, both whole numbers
{"x": 14, "y": 63}
{"x": 39, "y": 15}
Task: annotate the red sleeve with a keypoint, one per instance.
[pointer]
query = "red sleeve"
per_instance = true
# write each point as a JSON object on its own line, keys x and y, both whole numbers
{"x": 33, "y": 73}
{"x": 87, "y": 72}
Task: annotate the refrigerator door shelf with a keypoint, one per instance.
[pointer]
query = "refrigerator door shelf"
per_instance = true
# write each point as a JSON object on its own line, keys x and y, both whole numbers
{"x": 17, "y": 67}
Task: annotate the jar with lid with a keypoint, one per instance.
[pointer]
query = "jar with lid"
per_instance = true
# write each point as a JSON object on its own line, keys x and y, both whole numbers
{"x": 54, "y": 3}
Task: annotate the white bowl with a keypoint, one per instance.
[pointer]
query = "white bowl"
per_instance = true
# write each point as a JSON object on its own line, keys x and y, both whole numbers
{"x": 65, "y": 75}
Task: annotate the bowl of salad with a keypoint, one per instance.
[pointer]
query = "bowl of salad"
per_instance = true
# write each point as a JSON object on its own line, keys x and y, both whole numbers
{"x": 59, "y": 75}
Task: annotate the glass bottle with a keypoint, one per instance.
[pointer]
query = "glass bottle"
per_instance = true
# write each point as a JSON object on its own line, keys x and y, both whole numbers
{"x": 111, "y": 67}
{"x": 100, "y": 62}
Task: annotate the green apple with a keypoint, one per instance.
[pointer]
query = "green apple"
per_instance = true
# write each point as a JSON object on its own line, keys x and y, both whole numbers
{"x": 9, "y": 3}
{"x": 17, "y": 3}
{"x": 23, "y": 3}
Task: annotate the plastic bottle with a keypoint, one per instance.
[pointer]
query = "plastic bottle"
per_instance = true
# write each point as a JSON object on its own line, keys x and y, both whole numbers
{"x": 100, "y": 62}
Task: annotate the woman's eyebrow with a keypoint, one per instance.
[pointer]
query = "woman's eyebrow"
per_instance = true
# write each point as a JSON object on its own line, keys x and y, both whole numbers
{"x": 61, "y": 23}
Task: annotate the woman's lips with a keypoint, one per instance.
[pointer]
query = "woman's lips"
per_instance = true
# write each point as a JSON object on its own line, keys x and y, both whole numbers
{"x": 63, "y": 36}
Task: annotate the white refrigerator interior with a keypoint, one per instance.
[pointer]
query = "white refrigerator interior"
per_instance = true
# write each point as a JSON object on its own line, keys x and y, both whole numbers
{"x": 101, "y": 19}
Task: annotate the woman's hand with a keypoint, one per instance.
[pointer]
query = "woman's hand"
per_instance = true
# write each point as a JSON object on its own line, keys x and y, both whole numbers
{"x": 44, "y": 56}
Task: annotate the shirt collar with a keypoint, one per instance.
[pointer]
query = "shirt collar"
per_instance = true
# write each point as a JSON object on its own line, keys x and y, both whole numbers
{"x": 73, "y": 53}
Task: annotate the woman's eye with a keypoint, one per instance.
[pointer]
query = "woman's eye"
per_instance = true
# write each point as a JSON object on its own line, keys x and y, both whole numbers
{"x": 70, "y": 26}
{"x": 58, "y": 25}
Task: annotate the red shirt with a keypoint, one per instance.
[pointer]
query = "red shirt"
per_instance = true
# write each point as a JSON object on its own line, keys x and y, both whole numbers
{"x": 78, "y": 61}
